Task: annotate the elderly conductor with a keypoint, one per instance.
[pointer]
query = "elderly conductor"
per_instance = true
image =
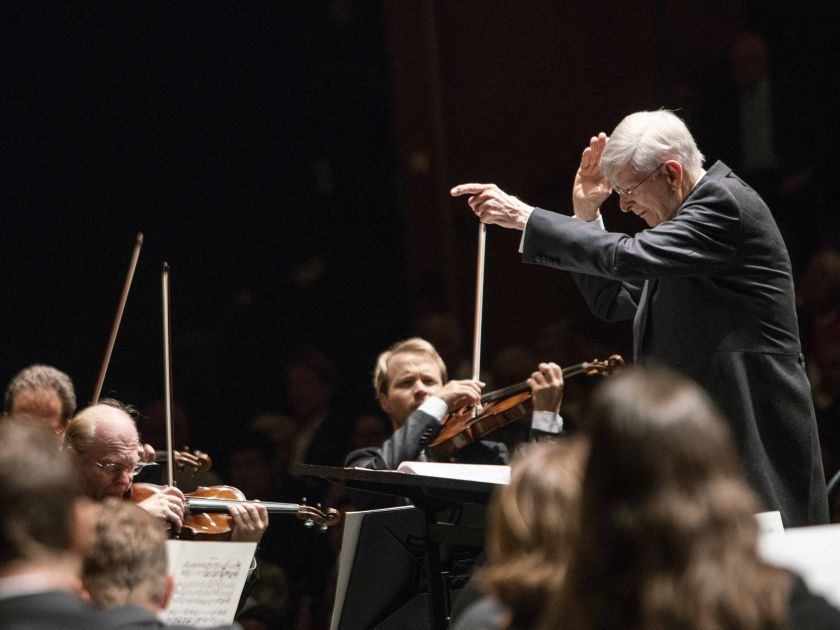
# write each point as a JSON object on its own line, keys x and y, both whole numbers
{"x": 708, "y": 287}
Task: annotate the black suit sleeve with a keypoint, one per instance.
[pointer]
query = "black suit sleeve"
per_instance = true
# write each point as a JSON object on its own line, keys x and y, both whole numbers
{"x": 703, "y": 238}
{"x": 406, "y": 444}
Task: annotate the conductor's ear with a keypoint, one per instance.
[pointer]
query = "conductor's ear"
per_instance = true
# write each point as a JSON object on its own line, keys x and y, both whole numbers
{"x": 674, "y": 172}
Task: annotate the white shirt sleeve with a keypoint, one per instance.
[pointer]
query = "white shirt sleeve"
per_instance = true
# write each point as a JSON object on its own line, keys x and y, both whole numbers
{"x": 547, "y": 421}
{"x": 435, "y": 407}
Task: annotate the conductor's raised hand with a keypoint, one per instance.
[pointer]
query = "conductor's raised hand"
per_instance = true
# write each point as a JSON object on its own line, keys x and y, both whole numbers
{"x": 493, "y": 205}
{"x": 591, "y": 188}
{"x": 459, "y": 393}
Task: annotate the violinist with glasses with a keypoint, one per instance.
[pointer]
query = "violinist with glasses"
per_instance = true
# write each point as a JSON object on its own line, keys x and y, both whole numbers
{"x": 103, "y": 443}
{"x": 411, "y": 386}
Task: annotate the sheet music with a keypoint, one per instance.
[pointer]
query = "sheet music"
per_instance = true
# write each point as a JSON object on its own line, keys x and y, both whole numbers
{"x": 770, "y": 522}
{"x": 812, "y": 552}
{"x": 470, "y": 472}
{"x": 209, "y": 577}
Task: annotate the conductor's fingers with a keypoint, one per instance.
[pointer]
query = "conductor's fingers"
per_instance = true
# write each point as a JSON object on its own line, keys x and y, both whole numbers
{"x": 469, "y": 189}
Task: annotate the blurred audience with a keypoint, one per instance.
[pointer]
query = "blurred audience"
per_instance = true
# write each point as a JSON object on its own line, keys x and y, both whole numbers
{"x": 270, "y": 605}
{"x": 818, "y": 302}
{"x": 152, "y": 426}
{"x": 752, "y": 120}
{"x": 281, "y": 432}
{"x": 294, "y": 556}
{"x": 309, "y": 379}
{"x": 369, "y": 429}
{"x": 315, "y": 607}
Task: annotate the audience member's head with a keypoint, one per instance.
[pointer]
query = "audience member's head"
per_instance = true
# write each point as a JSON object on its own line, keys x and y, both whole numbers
{"x": 819, "y": 289}
{"x": 270, "y": 601}
{"x": 749, "y": 60}
{"x": 444, "y": 331}
{"x": 309, "y": 379}
{"x": 45, "y": 521}
{"x": 406, "y": 374}
{"x": 127, "y": 564}
{"x": 531, "y": 523}
{"x": 152, "y": 423}
{"x": 369, "y": 429}
{"x": 513, "y": 364}
{"x": 667, "y": 529}
{"x": 281, "y": 432}
{"x": 251, "y": 466}
{"x": 42, "y": 395}
{"x": 103, "y": 442}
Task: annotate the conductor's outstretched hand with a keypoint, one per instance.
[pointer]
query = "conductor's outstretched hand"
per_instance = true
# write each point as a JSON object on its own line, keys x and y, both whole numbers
{"x": 494, "y": 206}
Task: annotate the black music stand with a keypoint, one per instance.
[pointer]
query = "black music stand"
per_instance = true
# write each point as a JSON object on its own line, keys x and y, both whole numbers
{"x": 431, "y": 495}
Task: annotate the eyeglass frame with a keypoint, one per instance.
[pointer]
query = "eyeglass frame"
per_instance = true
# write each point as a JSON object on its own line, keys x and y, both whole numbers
{"x": 627, "y": 192}
{"x": 111, "y": 468}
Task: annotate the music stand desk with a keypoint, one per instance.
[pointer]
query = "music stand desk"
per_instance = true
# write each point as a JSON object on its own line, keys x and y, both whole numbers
{"x": 430, "y": 495}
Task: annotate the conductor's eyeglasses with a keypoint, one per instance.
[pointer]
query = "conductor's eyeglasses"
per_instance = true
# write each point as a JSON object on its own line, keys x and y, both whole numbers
{"x": 626, "y": 192}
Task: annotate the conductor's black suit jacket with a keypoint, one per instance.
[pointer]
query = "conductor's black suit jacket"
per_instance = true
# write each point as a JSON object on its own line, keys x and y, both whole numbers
{"x": 710, "y": 293}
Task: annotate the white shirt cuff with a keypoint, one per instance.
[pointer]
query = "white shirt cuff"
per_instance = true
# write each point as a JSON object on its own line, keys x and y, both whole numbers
{"x": 435, "y": 407}
{"x": 522, "y": 238}
{"x": 599, "y": 220}
{"x": 547, "y": 421}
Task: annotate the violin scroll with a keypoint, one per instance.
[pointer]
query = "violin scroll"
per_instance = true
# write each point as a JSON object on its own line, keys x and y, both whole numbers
{"x": 312, "y": 516}
{"x": 197, "y": 461}
{"x": 598, "y": 367}
{"x": 191, "y": 459}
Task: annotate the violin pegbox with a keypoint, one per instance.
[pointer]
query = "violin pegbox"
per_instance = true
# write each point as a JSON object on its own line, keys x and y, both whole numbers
{"x": 312, "y": 516}
{"x": 597, "y": 367}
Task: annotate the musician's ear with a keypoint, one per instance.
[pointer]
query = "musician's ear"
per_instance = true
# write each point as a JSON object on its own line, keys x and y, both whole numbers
{"x": 167, "y": 593}
{"x": 85, "y": 513}
{"x": 384, "y": 403}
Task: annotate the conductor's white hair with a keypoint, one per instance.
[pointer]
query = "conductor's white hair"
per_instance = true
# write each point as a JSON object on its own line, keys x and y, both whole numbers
{"x": 645, "y": 140}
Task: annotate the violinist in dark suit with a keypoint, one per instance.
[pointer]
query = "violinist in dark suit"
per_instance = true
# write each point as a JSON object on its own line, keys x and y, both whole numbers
{"x": 708, "y": 287}
{"x": 410, "y": 384}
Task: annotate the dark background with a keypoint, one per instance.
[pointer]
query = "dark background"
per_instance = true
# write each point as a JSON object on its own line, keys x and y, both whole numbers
{"x": 291, "y": 162}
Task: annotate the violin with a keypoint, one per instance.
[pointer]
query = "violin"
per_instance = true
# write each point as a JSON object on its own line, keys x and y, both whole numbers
{"x": 500, "y": 408}
{"x": 206, "y": 515}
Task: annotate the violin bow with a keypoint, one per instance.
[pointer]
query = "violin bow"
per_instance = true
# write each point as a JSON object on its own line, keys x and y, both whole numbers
{"x": 167, "y": 375}
{"x": 479, "y": 303}
{"x": 109, "y": 348}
